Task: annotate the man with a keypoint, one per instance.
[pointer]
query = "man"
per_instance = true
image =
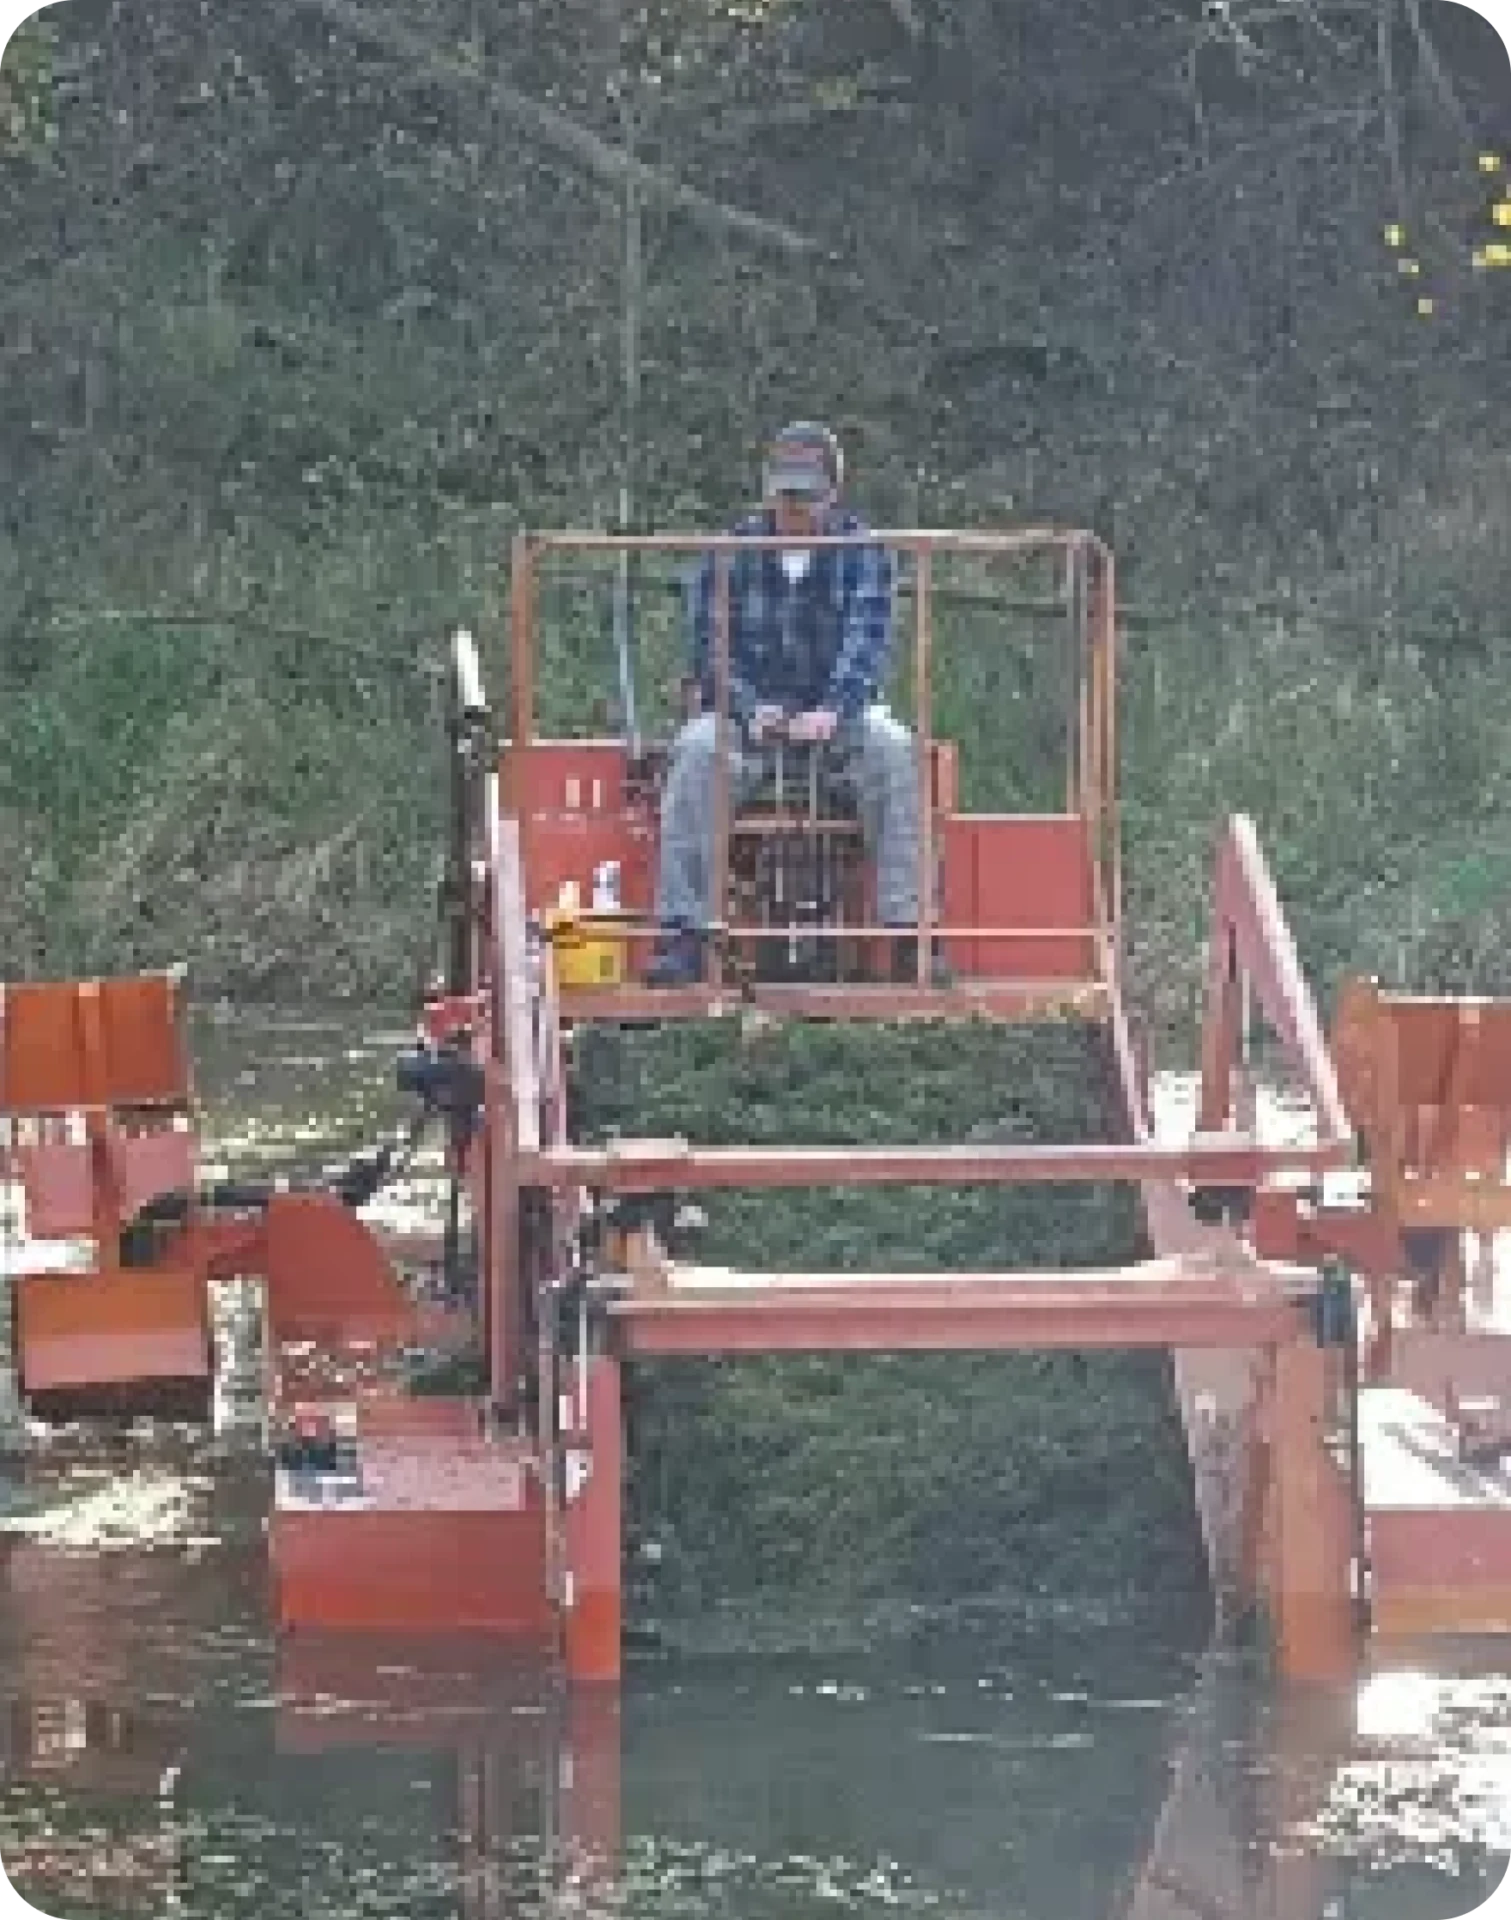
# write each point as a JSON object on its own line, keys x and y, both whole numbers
{"x": 809, "y": 641}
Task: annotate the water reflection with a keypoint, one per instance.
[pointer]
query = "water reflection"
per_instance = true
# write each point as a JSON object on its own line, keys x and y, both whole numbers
{"x": 159, "y": 1745}
{"x": 161, "y": 1751}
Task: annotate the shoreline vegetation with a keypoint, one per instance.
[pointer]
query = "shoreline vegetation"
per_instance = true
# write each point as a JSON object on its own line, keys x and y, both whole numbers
{"x": 265, "y": 449}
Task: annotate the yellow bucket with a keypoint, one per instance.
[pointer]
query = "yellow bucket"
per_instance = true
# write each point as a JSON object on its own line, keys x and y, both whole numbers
{"x": 584, "y": 958}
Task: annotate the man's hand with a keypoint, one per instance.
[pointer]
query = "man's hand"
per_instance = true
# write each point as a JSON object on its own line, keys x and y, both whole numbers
{"x": 817, "y": 726}
{"x": 765, "y": 721}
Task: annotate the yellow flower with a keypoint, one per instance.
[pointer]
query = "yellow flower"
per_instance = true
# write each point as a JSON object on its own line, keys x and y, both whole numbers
{"x": 1500, "y": 213}
{"x": 1408, "y": 266}
{"x": 1490, "y": 163}
{"x": 1425, "y": 305}
{"x": 1394, "y": 235}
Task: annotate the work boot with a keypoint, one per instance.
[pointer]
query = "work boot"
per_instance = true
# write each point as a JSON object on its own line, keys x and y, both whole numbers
{"x": 677, "y": 962}
{"x": 905, "y": 964}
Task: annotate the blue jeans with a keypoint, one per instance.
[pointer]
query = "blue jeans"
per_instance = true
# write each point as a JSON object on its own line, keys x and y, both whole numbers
{"x": 884, "y": 759}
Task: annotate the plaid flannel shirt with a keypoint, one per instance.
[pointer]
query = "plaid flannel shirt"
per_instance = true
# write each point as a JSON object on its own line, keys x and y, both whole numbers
{"x": 823, "y": 641}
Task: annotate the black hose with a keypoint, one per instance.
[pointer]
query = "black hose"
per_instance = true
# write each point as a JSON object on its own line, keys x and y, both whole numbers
{"x": 361, "y": 1180}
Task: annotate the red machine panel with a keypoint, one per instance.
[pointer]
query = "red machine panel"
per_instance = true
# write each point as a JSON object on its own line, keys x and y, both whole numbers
{"x": 1431, "y": 1035}
{"x": 58, "y": 1178}
{"x": 440, "y": 1527}
{"x": 327, "y": 1277}
{"x": 1031, "y": 873}
{"x": 141, "y": 1326}
{"x": 411, "y": 1570}
{"x": 1440, "y": 1570}
{"x": 93, "y": 1043}
{"x": 574, "y": 814}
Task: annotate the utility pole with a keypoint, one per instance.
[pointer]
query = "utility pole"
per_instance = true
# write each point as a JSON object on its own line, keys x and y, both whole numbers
{"x": 630, "y": 312}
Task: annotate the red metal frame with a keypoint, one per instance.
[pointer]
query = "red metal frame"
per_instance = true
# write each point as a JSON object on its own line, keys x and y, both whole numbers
{"x": 107, "y": 1059}
{"x": 1015, "y": 942}
{"x": 1031, "y": 910}
{"x": 652, "y": 1166}
{"x": 1205, "y": 1294}
{"x": 551, "y": 1412}
{"x": 1251, "y": 943}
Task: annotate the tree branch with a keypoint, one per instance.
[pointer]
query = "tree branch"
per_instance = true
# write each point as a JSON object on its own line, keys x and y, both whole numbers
{"x": 1436, "y": 71}
{"x": 1385, "y": 27}
{"x": 554, "y": 129}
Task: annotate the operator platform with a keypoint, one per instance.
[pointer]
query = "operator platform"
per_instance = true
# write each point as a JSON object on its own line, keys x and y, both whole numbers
{"x": 809, "y": 645}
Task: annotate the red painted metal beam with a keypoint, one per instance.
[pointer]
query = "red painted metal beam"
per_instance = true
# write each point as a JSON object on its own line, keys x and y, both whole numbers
{"x": 649, "y": 1166}
{"x": 913, "y": 540}
{"x": 707, "y": 1311}
{"x": 1249, "y": 926}
{"x": 1004, "y": 1000}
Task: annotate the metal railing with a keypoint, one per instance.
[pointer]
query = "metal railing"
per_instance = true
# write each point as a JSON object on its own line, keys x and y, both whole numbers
{"x": 1091, "y": 736}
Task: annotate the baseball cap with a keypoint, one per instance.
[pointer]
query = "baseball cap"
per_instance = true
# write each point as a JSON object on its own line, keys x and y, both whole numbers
{"x": 803, "y": 460}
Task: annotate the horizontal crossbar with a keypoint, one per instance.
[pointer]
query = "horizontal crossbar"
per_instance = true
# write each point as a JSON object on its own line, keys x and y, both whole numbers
{"x": 1160, "y": 1304}
{"x": 650, "y": 1166}
{"x": 1025, "y": 1001}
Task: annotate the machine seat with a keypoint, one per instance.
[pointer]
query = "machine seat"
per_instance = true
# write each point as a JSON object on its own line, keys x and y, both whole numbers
{"x": 797, "y": 862}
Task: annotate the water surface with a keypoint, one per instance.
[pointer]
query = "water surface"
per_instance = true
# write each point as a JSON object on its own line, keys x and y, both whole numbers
{"x": 161, "y": 1752}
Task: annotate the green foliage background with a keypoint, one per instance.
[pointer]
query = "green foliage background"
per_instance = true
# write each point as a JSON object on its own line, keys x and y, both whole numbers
{"x": 307, "y": 308}
{"x": 816, "y": 1484}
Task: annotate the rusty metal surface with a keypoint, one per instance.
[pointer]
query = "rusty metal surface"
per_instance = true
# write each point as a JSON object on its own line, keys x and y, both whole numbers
{"x": 1446, "y": 1045}
{"x": 1428, "y": 1085}
{"x": 1163, "y": 1304}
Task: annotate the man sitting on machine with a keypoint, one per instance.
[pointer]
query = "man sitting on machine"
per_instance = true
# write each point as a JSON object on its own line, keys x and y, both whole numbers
{"x": 809, "y": 639}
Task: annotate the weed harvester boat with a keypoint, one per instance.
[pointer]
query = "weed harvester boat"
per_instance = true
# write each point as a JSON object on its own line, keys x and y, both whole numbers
{"x": 1328, "y": 1357}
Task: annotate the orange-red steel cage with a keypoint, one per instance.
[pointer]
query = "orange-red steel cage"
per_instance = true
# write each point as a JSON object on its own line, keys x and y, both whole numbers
{"x": 1042, "y": 889}
{"x": 506, "y": 1504}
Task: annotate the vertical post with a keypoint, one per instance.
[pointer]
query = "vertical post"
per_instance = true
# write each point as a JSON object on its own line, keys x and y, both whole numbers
{"x": 1388, "y": 1155}
{"x": 634, "y": 279}
{"x": 515, "y": 1120}
{"x": 1107, "y": 634}
{"x": 1083, "y": 799}
{"x": 1093, "y": 775}
{"x": 550, "y": 1428}
{"x": 106, "y": 1200}
{"x": 714, "y": 961}
{"x": 1074, "y": 645}
{"x": 467, "y": 715}
{"x": 499, "y": 1225}
{"x": 1313, "y": 1605}
{"x": 1355, "y": 1447}
{"x": 923, "y": 723}
{"x": 521, "y": 664}
{"x": 1219, "y": 1036}
{"x": 593, "y": 1536}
